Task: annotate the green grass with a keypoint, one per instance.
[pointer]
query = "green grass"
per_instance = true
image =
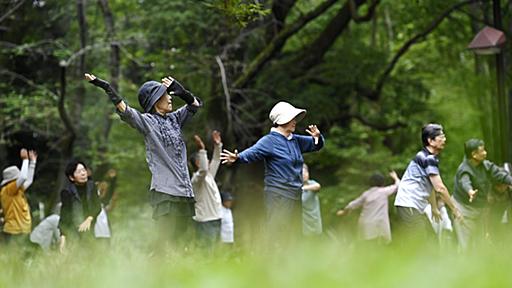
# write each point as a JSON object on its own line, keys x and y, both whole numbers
{"x": 130, "y": 261}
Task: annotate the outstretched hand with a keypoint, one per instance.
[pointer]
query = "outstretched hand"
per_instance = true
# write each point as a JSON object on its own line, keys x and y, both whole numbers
{"x": 313, "y": 131}
{"x": 89, "y": 77}
{"x": 228, "y": 157}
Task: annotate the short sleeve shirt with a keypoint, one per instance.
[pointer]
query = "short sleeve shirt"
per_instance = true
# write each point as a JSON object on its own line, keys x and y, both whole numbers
{"x": 415, "y": 187}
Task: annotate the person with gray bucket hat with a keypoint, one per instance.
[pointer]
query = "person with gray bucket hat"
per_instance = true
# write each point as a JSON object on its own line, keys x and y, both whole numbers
{"x": 18, "y": 222}
{"x": 171, "y": 193}
{"x": 282, "y": 151}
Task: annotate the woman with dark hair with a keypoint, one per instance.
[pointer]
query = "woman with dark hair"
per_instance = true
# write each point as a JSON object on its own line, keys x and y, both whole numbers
{"x": 374, "y": 219}
{"x": 282, "y": 151}
{"x": 80, "y": 202}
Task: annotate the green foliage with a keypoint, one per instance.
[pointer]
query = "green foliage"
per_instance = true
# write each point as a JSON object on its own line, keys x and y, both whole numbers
{"x": 239, "y": 11}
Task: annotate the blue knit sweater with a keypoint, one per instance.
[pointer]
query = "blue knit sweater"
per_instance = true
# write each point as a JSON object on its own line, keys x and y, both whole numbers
{"x": 283, "y": 161}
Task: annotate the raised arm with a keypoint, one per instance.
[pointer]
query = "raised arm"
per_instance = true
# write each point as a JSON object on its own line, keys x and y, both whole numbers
{"x": 217, "y": 147}
{"x": 24, "y": 168}
{"x": 202, "y": 160}
{"x": 311, "y": 143}
{"x": 32, "y": 155}
{"x": 174, "y": 88}
{"x": 389, "y": 190}
{"x": 129, "y": 115}
{"x": 112, "y": 94}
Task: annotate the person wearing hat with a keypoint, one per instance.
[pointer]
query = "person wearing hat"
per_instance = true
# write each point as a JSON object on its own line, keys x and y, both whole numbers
{"x": 171, "y": 193}
{"x": 282, "y": 151}
{"x": 18, "y": 222}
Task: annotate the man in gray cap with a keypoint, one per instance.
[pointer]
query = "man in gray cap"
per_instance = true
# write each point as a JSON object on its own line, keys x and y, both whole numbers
{"x": 171, "y": 193}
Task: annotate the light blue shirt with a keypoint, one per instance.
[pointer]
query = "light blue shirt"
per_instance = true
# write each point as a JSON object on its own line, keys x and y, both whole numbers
{"x": 311, "y": 216}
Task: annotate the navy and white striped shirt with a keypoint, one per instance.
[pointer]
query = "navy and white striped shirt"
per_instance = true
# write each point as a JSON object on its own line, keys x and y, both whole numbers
{"x": 415, "y": 187}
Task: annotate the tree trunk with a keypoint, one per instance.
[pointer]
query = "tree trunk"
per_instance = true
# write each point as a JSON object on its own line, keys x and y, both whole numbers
{"x": 115, "y": 72}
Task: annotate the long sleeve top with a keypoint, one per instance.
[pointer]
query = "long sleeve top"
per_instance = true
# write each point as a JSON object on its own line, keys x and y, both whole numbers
{"x": 78, "y": 203}
{"x": 481, "y": 178}
{"x": 166, "y": 152}
{"x": 208, "y": 203}
{"x": 283, "y": 161}
{"x": 374, "y": 218}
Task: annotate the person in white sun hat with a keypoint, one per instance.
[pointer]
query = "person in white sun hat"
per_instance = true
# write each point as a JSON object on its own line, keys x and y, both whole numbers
{"x": 282, "y": 151}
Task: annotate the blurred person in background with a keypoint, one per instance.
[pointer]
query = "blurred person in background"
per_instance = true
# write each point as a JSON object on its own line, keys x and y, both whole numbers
{"x": 374, "y": 219}
{"x": 16, "y": 210}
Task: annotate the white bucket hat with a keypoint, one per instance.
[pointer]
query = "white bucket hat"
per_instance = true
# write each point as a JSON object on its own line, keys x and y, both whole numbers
{"x": 284, "y": 112}
{"x": 10, "y": 173}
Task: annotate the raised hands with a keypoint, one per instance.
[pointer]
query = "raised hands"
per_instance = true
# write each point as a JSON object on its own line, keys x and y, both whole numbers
{"x": 313, "y": 131}
{"x": 199, "y": 142}
{"x": 23, "y": 154}
{"x": 167, "y": 82}
{"x": 217, "y": 140}
{"x": 228, "y": 157}
{"x": 32, "y": 155}
{"x": 112, "y": 95}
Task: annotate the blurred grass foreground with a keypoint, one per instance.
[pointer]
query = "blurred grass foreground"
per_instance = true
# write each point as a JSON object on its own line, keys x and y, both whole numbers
{"x": 130, "y": 260}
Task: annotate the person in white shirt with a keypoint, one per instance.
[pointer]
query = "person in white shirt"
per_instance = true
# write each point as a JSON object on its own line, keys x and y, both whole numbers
{"x": 227, "y": 226}
{"x": 207, "y": 195}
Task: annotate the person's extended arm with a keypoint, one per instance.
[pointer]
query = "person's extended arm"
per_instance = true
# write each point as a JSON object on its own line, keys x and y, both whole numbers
{"x": 24, "y": 168}
{"x": 467, "y": 186}
{"x": 217, "y": 147}
{"x": 111, "y": 93}
{"x": 313, "y": 187}
{"x": 202, "y": 159}
{"x": 311, "y": 143}
{"x": 440, "y": 188}
{"x": 257, "y": 152}
{"x": 498, "y": 174}
{"x": 131, "y": 116}
{"x": 31, "y": 169}
{"x": 354, "y": 204}
{"x": 389, "y": 190}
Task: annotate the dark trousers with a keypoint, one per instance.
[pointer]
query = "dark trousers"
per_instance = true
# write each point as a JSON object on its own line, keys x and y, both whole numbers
{"x": 414, "y": 225}
{"x": 208, "y": 233}
{"x": 175, "y": 226}
{"x": 283, "y": 218}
